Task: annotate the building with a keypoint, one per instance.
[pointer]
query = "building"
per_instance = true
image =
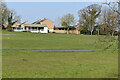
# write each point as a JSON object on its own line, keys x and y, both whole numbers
{"x": 49, "y": 24}
{"x": 36, "y": 28}
{"x": 4, "y": 26}
{"x": 40, "y": 26}
{"x": 43, "y": 26}
{"x": 22, "y": 25}
{"x": 16, "y": 27}
{"x": 63, "y": 29}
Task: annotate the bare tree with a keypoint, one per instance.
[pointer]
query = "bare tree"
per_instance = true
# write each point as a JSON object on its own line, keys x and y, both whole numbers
{"x": 109, "y": 20}
{"x": 4, "y": 13}
{"x": 89, "y": 15}
{"x": 15, "y": 17}
{"x": 115, "y": 7}
{"x": 12, "y": 18}
{"x": 69, "y": 20}
{"x": 99, "y": 24}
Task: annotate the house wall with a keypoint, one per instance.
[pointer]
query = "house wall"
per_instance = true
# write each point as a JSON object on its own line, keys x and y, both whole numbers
{"x": 49, "y": 24}
{"x": 17, "y": 30}
{"x": 45, "y": 30}
{"x": 65, "y": 31}
{"x": 22, "y": 26}
{"x": 15, "y": 25}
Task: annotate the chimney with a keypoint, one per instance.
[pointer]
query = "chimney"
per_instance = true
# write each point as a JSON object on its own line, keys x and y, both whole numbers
{"x": 40, "y": 20}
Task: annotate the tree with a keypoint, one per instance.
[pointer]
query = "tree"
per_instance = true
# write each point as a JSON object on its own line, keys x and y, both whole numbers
{"x": 115, "y": 7}
{"x": 99, "y": 24}
{"x": 64, "y": 24}
{"x": 89, "y": 15}
{"x": 9, "y": 22}
{"x": 4, "y": 13}
{"x": 69, "y": 20}
{"x": 8, "y": 16}
{"x": 109, "y": 20}
{"x": 12, "y": 18}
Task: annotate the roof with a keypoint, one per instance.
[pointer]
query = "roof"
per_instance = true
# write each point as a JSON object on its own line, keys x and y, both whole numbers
{"x": 38, "y": 21}
{"x": 36, "y": 25}
{"x": 65, "y": 27}
{"x": 15, "y": 25}
{"x": 5, "y": 25}
{"x": 26, "y": 22}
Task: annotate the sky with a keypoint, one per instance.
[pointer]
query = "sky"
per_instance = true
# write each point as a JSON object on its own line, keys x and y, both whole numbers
{"x": 33, "y": 11}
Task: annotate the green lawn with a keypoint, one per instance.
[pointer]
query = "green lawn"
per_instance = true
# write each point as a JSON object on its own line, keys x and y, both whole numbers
{"x": 27, "y": 41}
{"x": 60, "y": 64}
{"x": 88, "y": 64}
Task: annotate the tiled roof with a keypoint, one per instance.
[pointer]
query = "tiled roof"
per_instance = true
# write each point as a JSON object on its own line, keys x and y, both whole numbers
{"x": 64, "y": 27}
{"x": 24, "y": 22}
{"x": 38, "y": 21}
{"x": 5, "y": 25}
{"x": 36, "y": 25}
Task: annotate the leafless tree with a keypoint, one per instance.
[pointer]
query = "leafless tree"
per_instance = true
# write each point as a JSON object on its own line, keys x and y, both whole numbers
{"x": 109, "y": 20}
{"x": 69, "y": 19}
{"x": 15, "y": 17}
{"x": 4, "y": 12}
{"x": 88, "y": 16}
{"x": 99, "y": 24}
{"x": 115, "y": 8}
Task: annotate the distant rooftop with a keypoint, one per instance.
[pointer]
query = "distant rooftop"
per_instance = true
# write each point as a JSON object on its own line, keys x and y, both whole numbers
{"x": 65, "y": 26}
{"x": 36, "y": 25}
{"x": 39, "y": 21}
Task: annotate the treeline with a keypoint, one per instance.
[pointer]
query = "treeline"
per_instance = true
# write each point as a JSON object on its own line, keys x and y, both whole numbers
{"x": 94, "y": 20}
{"x": 8, "y": 16}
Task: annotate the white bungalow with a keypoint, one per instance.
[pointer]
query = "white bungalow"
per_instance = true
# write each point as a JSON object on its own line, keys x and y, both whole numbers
{"x": 36, "y": 28}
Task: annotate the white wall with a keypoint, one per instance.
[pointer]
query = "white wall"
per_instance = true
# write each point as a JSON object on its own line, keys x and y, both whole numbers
{"x": 34, "y": 31}
{"x": 18, "y": 30}
{"x": 51, "y": 30}
{"x": 23, "y": 28}
{"x": 45, "y": 30}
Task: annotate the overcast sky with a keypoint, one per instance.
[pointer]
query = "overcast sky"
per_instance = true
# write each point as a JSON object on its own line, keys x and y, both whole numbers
{"x": 33, "y": 11}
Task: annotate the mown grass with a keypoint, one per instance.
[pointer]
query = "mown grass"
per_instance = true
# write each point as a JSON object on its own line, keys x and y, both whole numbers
{"x": 26, "y": 40}
{"x": 88, "y": 64}
{"x": 92, "y": 64}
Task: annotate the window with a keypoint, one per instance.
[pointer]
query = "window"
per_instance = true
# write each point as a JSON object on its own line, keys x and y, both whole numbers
{"x": 42, "y": 28}
{"x": 34, "y": 28}
{"x": 18, "y": 28}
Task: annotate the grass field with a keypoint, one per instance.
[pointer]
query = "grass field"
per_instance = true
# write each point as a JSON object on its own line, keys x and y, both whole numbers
{"x": 89, "y": 64}
{"x": 28, "y": 41}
